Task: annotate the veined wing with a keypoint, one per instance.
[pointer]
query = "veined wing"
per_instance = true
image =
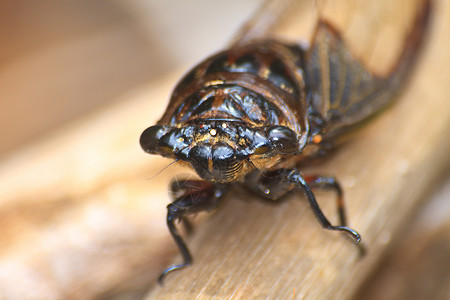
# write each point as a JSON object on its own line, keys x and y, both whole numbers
{"x": 345, "y": 89}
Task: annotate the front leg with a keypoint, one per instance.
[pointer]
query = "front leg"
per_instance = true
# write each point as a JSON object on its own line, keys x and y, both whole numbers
{"x": 191, "y": 196}
{"x": 276, "y": 184}
{"x": 323, "y": 182}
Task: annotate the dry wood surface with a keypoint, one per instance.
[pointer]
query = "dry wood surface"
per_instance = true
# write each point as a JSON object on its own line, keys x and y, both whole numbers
{"x": 83, "y": 213}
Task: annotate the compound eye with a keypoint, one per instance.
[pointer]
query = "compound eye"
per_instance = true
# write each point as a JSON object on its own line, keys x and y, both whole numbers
{"x": 150, "y": 138}
{"x": 283, "y": 139}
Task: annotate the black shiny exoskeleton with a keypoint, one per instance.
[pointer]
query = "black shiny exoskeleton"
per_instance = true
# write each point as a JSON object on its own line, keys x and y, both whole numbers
{"x": 249, "y": 115}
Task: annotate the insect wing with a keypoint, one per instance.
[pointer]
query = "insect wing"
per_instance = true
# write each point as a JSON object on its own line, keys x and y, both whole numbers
{"x": 346, "y": 89}
{"x": 360, "y": 53}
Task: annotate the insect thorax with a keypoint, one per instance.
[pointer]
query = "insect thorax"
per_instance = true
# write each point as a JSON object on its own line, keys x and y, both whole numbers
{"x": 240, "y": 109}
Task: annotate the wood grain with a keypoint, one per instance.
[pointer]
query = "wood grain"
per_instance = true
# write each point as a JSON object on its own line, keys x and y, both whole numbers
{"x": 82, "y": 216}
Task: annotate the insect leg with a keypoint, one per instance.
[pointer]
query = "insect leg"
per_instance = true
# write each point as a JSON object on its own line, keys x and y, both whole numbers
{"x": 193, "y": 197}
{"x": 276, "y": 184}
{"x": 323, "y": 182}
{"x": 296, "y": 178}
{"x": 179, "y": 188}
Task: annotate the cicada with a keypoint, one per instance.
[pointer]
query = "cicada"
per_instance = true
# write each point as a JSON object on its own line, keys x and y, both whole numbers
{"x": 252, "y": 115}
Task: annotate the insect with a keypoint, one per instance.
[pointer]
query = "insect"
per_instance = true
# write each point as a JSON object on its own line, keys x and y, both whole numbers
{"x": 252, "y": 114}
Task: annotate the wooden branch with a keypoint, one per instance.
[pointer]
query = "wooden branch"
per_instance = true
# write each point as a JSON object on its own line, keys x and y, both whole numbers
{"x": 80, "y": 216}
{"x": 83, "y": 218}
{"x": 251, "y": 250}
